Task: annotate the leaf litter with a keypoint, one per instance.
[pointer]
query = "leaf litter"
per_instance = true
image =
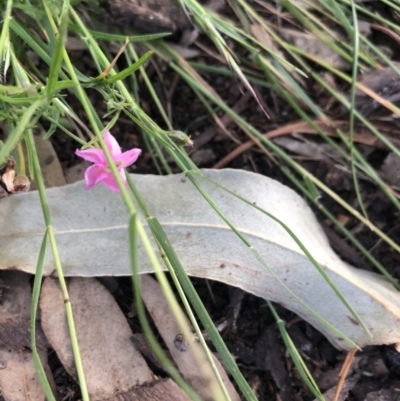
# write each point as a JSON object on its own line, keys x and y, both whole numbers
{"x": 111, "y": 363}
{"x": 201, "y": 378}
{"x": 370, "y": 380}
{"x": 18, "y": 377}
{"x": 110, "y": 212}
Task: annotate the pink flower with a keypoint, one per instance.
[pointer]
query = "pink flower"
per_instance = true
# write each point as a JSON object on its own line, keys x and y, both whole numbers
{"x": 100, "y": 170}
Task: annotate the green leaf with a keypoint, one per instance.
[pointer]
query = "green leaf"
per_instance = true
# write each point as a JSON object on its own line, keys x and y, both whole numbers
{"x": 19, "y": 100}
{"x": 65, "y": 84}
{"x": 101, "y": 80}
{"x": 55, "y": 116}
{"x": 128, "y": 71}
{"x": 58, "y": 56}
{"x": 122, "y": 38}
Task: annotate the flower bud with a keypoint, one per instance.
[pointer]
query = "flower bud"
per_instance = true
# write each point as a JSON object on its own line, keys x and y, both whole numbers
{"x": 21, "y": 183}
{"x": 180, "y": 138}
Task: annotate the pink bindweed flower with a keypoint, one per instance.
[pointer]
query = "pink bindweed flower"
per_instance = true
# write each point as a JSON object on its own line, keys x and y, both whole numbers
{"x": 100, "y": 170}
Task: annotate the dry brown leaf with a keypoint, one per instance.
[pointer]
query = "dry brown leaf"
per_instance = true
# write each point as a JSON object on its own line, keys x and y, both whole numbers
{"x": 76, "y": 172}
{"x": 347, "y": 387}
{"x": 110, "y": 361}
{"x": 160, "y": 391}
{"x": 18, "y": 377}
{"x": 263, "y": 37}
{"x": 269, "y": 357}
{"x": 380, "y": 80}
{"x": 384, "y": 82}
{"x": 346, "y": 367}
{"x": 73, "y": 44}
{"x": 149, "y": 15}
{"x": 50, "y": 165}
{"x": 390, "y": 170}
{"x": 311, "y": 44}
{"x": 180, "y": 348}
{"x": 311, "y": 151}
{"x": 185, "y": 52}
{"x": 362, "y": 136}
{"x": 388, "y": 31}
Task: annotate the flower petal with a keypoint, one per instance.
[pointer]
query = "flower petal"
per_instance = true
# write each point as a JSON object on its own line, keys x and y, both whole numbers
{"x": 127, "y": 158}
{"x": 94, "y": 174}
{"x": 92, "y": 155}
{"x": 122, "y": 174}
{"x": 111, "y": 183}
{"x": 111, "y": 143}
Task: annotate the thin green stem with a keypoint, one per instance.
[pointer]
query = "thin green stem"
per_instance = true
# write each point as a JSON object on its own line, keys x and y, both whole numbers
{"x": 161, "y": 242}
{"x": 34, "y": 306}
{"x": 57, "y": 263}
{"x": 154, "y": 344}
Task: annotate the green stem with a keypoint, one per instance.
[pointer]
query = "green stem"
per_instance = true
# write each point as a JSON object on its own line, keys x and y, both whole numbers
{"x": 57, "y": 262}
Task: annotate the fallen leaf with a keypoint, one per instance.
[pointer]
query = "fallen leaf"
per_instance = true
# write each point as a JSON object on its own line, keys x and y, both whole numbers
{"x": 385, "y": 82}
{"x": 310, "y": 151}
{"x": 268, "y": 351}
{"x": 315, "y": 46}
{"x": 76, "y": 172}
{"x": 390, "y": 170}
{"x": 91, "y": 233}
{"x": 263, "y": 36}
{"x": 185, "y": 51}
{"x": 15, "y": 312}
{"x": 111, "y": 363}
{"x": 159, "y": 391}
{"x": 180, "y": 348}
{"x": 347, "y": 387}
{"x": 50, "y": 165}
{"x": 139, "y": 340}
{"x": 18, "y": 376}
{"x": 150, "y": 16}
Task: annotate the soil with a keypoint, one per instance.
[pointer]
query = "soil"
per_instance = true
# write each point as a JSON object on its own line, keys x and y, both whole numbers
{"x": 253, "y": 337}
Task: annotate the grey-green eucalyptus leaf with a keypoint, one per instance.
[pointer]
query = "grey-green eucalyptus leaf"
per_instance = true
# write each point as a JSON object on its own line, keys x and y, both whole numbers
{"x": 92, "y": 238}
